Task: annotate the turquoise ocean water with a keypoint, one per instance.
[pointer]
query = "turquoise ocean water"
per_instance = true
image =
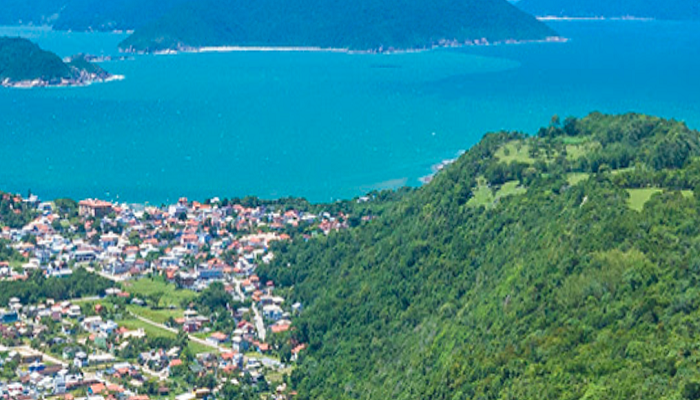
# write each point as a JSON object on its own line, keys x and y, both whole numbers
{"x": 321, "y": 125}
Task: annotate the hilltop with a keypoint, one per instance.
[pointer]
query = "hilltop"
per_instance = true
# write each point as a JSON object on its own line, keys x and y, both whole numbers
{"x": 23, "y": 63}
{"x": 557, "y": 266}
{"x": 84, "y": 15}
{"x": 365, "y": 25}
{"x": 667, "y": 10}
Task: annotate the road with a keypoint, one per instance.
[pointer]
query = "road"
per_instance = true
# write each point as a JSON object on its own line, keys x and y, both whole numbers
{"x": 259, "y": 323}
{"x": 105, "y": 275}
{"x": 191, "y": 337}
{"x": 44, "y": 356}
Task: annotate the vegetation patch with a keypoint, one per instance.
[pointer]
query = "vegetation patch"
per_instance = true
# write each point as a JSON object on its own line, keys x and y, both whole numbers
{"x": 576, "y": 177}
{"x": 515, "y": 151}
{"x": 639, "y": 197}
{"x": 167, "y": 294}
{"x": 576, "y": 151}
{"x": 160, "y": 316}
{"x": 510, "y": 188}
{"x": 482, "y": 195}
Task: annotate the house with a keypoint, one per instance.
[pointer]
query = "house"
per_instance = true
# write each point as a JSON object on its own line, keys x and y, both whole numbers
{"x": 74, "y": 311}
{"x": 83, "y": 256}
{"x": 80, "y": 360}
{"x": 217, "y": 338}
{"x": 8, "y": 316}
{"x": 94, "y": 208}
{"x": 97, "y": 359}
{"x": 96, "y": 389}
{"x": 191, "y": 326}
{"x": 272, "y": 312}
{"x": 240, "y": 345}
{"x": 296, "y": 351}
{"x": 92, "y": 324}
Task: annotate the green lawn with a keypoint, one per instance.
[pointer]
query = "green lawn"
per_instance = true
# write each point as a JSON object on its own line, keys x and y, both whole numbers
{"x": 639, "y": 197}
{"x": 514, "y": 151}
{"x": 160, "y": 316}
{"x": 575, "y": 177}
{"x": 576, "y": 151}
{"x": 482, "y": 194}
{"x": 510, "y": 188}
{"x": 621, "y": 170}
{"x": 171, "y": 295}
{"x": 154, "y": 331}
{"x": 575, "y": 139}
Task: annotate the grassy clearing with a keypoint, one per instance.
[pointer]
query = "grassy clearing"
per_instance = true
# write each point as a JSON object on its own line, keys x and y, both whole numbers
{"x": 510, "y": 188}
{"x": 160, "y": 316}
{"x": 639, "y": 197}
{"x": 621, "y": 170}
{"x": 576, "y": 177}
{"x": 170, "y": 294}
{"x": 575, "y": 139}
{"x": 576, "y": 151}
{"x": 514, "y": 151}
{"x": 154, "y": 331}
{"x": 482, "y": 194}
{"x": 278, "y": 376}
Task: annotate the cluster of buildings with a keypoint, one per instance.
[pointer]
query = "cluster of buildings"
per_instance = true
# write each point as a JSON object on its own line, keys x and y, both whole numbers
{"x": 196, "y": 241}
{"x": 190, "y": 244}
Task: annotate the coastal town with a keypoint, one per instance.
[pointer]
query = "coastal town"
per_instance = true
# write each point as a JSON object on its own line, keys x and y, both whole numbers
{"x": 139, "y": 302}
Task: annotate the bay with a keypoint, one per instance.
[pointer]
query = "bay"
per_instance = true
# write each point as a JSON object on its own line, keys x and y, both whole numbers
{"x": 321, "y": 125}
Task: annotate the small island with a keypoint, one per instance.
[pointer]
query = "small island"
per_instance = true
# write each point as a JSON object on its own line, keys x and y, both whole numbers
{"x": 24, "y": 64}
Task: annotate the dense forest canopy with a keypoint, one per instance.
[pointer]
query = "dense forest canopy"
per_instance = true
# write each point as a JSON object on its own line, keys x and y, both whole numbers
{"x": 38, "y": 287}
{"x": 561, "y": 266}
{"x": 22, "y": 60}
{"x": 84, "y": 15}
{"x": 355, "y": 25}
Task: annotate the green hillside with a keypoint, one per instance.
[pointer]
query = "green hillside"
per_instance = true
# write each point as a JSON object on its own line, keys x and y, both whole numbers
{"x": 668, "y": 10}
{"x": 22, "y": 60}
{"x": 84, "y": 15}
{"x": 554, "y": 285}
{"x": 356, "y": 25}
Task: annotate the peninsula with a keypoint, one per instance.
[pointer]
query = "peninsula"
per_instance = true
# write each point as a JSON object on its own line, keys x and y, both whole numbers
{"x": 363, "y": 25}
{"x": 25, "y": 64}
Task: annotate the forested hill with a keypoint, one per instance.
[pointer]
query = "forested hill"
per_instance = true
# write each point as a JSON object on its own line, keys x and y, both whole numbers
{"x": 562, "y": 266}
{"x": 23, "y": 63}
{"x": 84, "y": 15}
{"x": 668, "y": 10}
{"x": 355, "y": 25}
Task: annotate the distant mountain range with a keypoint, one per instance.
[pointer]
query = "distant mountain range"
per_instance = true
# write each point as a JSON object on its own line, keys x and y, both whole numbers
{"x": 24, "y": 64}
{"x": 355, "y": 25}
{"x": 84, "y": 15}
{"x": 668, "y": 10}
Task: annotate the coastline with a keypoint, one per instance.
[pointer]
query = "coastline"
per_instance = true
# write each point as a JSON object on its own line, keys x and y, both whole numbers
{"x": 312, "y": 49}
{"x": 65, "y": 83}
{"x": 600, "y": 18}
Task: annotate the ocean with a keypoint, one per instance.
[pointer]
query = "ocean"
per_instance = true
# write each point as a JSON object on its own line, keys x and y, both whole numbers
{"x": 319, "y": 125}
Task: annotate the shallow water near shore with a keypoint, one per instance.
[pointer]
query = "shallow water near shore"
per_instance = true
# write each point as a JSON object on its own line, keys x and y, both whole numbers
{"x": 321, "y": 125}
